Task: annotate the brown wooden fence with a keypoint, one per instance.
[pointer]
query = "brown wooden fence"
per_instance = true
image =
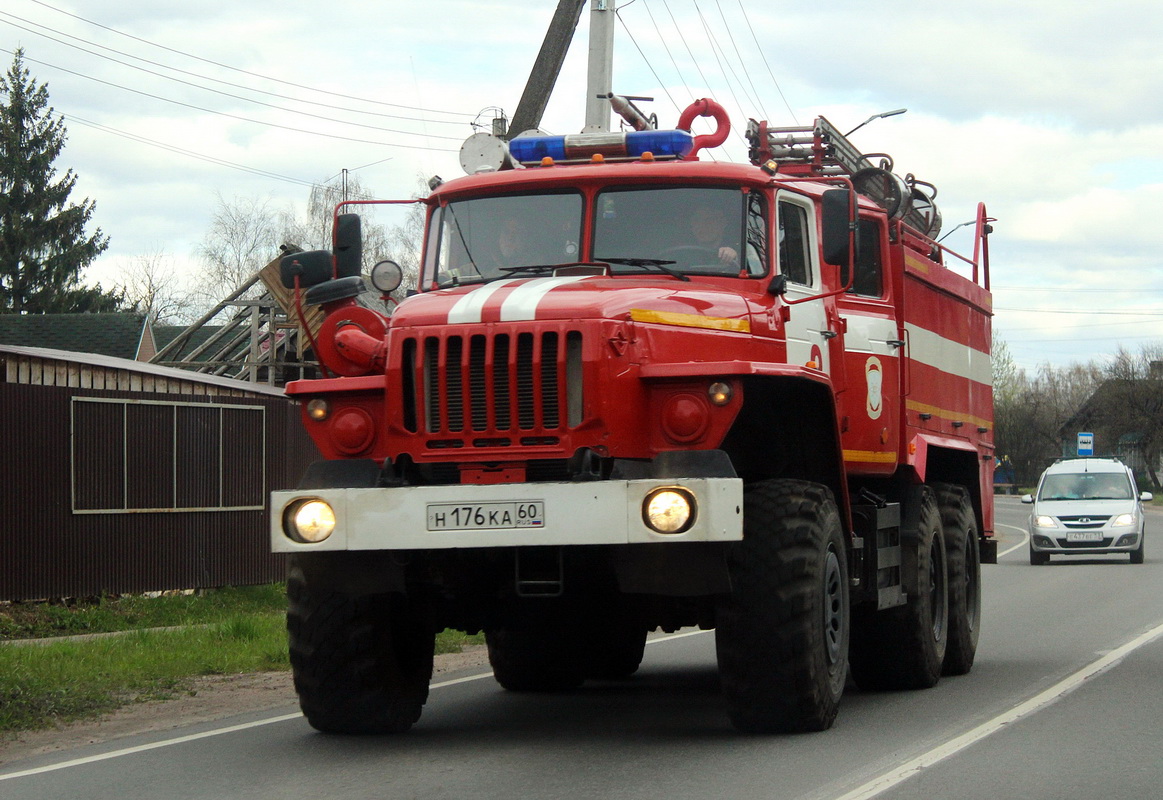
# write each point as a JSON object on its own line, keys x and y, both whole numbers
{"x": 118, "y": 476}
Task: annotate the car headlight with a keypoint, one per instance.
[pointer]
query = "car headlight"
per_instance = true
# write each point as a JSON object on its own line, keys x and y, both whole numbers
{"x": 1123, "y": 520}
{"x": 309, "y": 521}
{"x": 1043, "y": 521}
{"x": 669, "y": 510}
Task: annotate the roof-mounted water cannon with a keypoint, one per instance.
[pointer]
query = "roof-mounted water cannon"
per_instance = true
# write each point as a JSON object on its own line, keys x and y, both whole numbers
{"x": 625, "y": 108}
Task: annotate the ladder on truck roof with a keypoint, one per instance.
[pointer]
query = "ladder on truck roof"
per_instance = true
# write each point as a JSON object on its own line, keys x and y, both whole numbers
{"x": 822, "y": 150}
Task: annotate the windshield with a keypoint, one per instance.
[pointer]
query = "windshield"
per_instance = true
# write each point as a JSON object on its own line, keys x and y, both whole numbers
{"x": 1086, "y": 486}
{"x": 483, "y": 239}
{"x": 696, "y": 230}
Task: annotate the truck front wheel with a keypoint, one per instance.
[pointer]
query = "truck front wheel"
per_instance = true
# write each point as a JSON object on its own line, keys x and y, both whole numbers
{"x": 782, "y": 634}
{"x": 361, "y": 664}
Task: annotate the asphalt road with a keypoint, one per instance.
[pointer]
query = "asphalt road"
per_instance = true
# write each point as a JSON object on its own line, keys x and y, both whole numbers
{"x": 1064, "y": 702}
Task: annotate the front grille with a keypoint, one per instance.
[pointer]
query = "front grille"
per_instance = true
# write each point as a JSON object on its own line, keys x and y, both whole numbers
{"x": 1083, "y": 522}
{"x": 493, "y": 383}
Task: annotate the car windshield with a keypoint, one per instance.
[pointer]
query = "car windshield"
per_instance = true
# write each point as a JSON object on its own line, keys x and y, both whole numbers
{"x": 496, "y": 237}
{"x": 1086, "y": 486}
{"x": 689, "y": 230}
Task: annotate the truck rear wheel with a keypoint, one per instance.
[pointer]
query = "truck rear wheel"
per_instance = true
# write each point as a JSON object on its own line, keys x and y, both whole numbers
{"x": 964, "y": 554}
{"x": 782, "y": 634}
{"x": 361, "y": 664}
{"x": 536, "y": 657}
{"x": 904, "y": 647}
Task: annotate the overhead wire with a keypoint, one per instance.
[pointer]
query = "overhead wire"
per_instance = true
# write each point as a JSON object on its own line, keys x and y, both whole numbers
{"x": 762, "y": 55}
{"x": 182, "y": 151}
{"x": 251, "y": 100}
{"x": 228, "y": 115}
{"x": 242, "y": 71}
{"x": 716, "y": 49}
{"x": 195, "y": 74}
{"x": 755, "y": 96}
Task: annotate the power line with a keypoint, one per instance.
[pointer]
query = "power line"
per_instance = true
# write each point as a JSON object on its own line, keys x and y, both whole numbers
{"x": 248, "y": 99}
{"x": 232, "y": 116}
{"x": 195, "y": 74}
{"x": 759, "y": 47}
{"x": 243, "y": 71}
{"x": 190, "y": 153}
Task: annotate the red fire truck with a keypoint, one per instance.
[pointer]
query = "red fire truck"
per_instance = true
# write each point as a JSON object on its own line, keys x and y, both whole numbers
{"x": 639, "y": 390}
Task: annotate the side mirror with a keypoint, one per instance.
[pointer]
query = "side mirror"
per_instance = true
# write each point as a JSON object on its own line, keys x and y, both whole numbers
{"x": 836, "y": 216}
{"x": 311, "y": 267}
{"x": 1146, "y": 497}
{"x": 348, "y": 246}
{"x": 778, "y": 285}
{"x": 1028, "y": 499}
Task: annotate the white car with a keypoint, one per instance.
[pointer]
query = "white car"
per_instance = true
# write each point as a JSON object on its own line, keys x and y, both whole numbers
{"x": 1085, "y": 506}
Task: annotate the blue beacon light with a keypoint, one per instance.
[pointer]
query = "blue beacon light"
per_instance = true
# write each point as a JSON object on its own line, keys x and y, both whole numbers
{"x": 662, "y": 144}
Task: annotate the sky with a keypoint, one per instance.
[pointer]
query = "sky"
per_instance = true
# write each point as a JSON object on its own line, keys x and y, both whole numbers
{"x": 1049, "y": 111}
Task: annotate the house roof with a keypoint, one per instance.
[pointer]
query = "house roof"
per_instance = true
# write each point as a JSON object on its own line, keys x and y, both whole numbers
{"x": 117, "y": 334}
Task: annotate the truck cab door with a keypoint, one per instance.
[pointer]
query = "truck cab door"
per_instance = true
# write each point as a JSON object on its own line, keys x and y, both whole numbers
{"x": 807, "y": 327}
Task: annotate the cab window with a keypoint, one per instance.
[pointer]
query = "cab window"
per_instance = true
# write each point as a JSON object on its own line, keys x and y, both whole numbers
{"x": 794, "y": 254}
{"x": 869, "y": 280}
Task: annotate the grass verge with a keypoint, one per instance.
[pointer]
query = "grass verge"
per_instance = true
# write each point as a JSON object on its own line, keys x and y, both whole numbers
{"x": 223, "y": 632}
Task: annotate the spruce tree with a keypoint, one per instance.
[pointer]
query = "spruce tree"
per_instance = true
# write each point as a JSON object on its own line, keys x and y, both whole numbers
{"x": 43, "y": 244}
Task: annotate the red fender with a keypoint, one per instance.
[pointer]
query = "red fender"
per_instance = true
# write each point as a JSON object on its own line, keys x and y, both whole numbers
{"x": 705, "y": 108}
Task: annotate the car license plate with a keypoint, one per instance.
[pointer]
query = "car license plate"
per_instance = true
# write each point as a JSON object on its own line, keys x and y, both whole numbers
{"x": 1084, "y": 536}
{"x": 486, "y": 516}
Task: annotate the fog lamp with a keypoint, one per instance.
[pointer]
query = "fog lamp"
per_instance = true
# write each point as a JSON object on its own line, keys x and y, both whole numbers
{"x": 670, "y": 510}
{"x": 1126, "y": 540}
{"x": 309, "y": 521}
{"x": 719, "y": 393}
{"x": 318, "y": 409}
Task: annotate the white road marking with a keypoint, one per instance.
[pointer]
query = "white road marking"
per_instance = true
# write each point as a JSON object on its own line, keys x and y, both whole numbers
{"x": 76, "y": 762}
{"x": 1036, "y": 703}
{"x": 1025, "y": 538}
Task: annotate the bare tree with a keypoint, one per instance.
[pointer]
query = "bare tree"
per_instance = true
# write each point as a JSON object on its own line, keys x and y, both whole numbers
{"x": 149, "y": 282}
{"x": 244, "y": 236}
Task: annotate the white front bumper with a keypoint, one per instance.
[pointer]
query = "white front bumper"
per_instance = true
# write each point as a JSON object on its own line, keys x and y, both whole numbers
{"x": 599, "y": 512}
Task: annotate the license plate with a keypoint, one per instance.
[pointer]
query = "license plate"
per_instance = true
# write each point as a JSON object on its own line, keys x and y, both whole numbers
{"x": 1084, "y": 536}
{"x": 486, "y": 516}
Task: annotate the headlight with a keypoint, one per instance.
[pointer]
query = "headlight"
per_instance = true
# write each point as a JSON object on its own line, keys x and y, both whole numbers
{"x": 309, "y": 521}
{"x": 1123, "y": 520}
{"x": 1042, "y": 521}
{"x": 670, "y": 510}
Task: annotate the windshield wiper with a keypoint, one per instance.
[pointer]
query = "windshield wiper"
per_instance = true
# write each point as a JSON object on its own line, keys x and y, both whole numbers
{"x": 647, "y": 264}
{"x": 533, "y": 269}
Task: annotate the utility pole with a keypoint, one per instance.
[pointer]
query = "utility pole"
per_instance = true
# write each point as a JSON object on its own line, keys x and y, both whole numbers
{"x": 546, "y": 68}
{"x": 601, "y": 67}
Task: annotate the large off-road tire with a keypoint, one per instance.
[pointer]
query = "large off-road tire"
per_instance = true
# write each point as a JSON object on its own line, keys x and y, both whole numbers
{"x": 964, "y": 556}
{"x": 904, "y": 647}
{"x": 536, "y": 657}
{"x": 361, "y": 664}
{"x": 782, "y": 634}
